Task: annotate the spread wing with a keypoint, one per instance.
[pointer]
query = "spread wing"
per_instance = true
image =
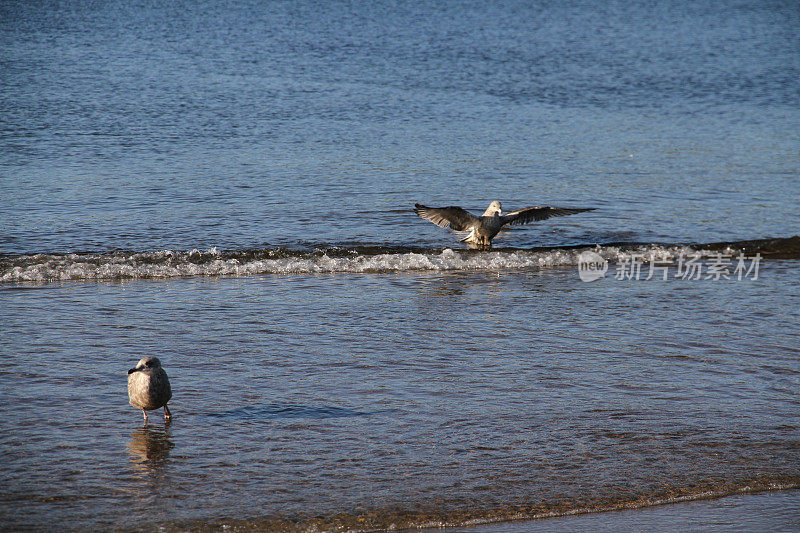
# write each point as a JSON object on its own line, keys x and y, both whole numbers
{"x": 531, "y": 214}
{"x": 447, "y": 217}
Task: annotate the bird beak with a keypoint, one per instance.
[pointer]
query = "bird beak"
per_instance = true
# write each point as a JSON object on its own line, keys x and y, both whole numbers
{"x": 132, "y": 370}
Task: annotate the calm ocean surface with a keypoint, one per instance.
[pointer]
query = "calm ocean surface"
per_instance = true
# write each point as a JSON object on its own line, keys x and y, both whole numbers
{"x": 230, "y": 188}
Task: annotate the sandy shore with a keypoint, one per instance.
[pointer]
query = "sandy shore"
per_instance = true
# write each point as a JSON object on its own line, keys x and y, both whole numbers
{"x": 765, "y": 511}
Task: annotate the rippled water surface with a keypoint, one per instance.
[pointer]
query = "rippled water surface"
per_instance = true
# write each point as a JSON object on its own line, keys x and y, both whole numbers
{"x": 183, "y": 125}
{"x": 397, "y": 396}
{"x": 230, "y": 188}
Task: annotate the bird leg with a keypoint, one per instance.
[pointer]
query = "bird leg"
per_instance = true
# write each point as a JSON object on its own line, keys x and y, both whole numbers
{"x": 145, "y": 415}
{"x": 167, "y": 414}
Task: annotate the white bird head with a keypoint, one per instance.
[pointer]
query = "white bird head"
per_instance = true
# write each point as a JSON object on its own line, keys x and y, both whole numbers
{"x": 493, "y": 208}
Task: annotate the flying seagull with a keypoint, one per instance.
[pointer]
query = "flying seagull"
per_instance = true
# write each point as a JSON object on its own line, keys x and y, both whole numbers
{"x": 148, "y": 386}
{"x": 483, "y": 228}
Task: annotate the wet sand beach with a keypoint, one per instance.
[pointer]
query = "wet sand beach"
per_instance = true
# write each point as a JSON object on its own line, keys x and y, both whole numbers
{"x": 775, "y": 511}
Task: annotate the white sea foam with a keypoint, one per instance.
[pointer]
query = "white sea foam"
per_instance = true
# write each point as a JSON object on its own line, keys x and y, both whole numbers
{"x": 171, "y": 264}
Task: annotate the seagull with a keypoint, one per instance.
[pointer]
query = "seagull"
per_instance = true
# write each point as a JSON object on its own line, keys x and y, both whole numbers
{"x": 482, "y": 229}
{"x": 148, "y": 386}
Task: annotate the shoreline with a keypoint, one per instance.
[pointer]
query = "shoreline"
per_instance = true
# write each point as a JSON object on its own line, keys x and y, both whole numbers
{"x": 767, "y": 510}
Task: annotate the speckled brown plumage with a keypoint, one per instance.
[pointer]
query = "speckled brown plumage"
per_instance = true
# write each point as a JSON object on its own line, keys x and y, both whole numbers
{"x": 148, "y": 386}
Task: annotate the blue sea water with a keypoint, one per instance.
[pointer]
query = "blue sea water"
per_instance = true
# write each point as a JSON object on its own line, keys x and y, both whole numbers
{"x": 230, "y": 187}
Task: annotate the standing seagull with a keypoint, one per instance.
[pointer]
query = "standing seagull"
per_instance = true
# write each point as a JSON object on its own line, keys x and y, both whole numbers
{"x": 482, "y": 229}
{"x": 148, "y": 386}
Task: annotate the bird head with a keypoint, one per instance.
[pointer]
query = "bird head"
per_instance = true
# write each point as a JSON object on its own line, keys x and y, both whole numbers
{"x": 494, "y": 208}
{"x": 145, "y": 363}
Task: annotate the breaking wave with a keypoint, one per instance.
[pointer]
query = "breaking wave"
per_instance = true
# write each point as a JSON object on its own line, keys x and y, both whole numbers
{"x": 45, "y": 268}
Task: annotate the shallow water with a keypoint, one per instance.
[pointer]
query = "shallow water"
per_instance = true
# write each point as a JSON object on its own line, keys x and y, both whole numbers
{"x": 231, "y": 190}
{"x": 404, "y": 397}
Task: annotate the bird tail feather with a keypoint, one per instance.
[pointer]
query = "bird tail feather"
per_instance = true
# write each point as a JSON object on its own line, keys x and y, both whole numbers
{"x": 472, "y": 237}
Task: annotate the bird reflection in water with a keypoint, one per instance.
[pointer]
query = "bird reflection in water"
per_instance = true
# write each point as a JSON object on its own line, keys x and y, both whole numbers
{"x": 149, "y": 449}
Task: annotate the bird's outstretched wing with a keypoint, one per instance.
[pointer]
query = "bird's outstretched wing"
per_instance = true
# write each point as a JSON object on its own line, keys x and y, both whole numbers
{"x": 531, "y": 214}
{"x": 447, "y": 217}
